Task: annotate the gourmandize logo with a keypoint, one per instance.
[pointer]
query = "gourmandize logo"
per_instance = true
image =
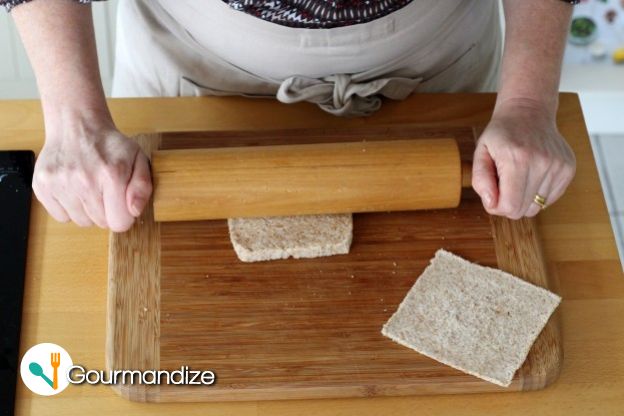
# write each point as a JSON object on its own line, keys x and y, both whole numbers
{"x": 55, "y": 361}
{"x": 44, "y": 369}
{"x": 47, "y": 369}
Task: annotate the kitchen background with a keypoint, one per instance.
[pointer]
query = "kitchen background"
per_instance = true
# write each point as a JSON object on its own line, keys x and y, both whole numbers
{"x": 593, "y": 67}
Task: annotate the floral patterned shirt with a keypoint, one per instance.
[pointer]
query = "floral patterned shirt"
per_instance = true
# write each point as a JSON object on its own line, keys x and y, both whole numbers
{"x": 319, "y": 14}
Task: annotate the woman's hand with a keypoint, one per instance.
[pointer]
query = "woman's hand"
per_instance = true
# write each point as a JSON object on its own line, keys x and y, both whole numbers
{"x": 519, "y": 155}
{"x": 92, "y": 174}
{"x": 87, "y": 171}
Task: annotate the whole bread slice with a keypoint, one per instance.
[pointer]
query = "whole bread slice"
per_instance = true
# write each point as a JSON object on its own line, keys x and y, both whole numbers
{"x": 476, "y": 319}
{"x": 271, "y": 238}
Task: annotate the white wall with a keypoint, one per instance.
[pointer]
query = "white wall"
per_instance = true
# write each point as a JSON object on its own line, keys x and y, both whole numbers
{"x": 16, "y": 77}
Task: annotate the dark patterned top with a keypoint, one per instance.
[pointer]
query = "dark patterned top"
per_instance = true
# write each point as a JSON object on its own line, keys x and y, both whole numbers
{"x": 319, "y": 14}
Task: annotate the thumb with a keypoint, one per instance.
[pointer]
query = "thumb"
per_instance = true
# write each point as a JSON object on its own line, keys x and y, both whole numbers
{"x": 140, "y": 185}
{"x": 484, "y": 177}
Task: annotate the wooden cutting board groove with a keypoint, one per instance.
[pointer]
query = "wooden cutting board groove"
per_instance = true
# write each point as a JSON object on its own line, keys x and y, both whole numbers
{"x": 303, "y": 328}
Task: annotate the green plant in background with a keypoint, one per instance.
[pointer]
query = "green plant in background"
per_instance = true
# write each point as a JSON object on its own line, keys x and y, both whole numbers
{"x": 583, "y": 30}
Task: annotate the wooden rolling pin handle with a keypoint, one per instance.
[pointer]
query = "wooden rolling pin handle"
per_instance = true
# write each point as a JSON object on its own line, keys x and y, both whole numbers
{"x": 466, "y": 174}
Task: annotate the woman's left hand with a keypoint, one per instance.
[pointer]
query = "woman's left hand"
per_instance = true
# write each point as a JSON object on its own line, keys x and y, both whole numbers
{"x": 519, "y": 155}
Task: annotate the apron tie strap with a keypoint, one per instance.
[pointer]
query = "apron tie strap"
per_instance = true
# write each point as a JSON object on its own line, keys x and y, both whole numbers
{"x": 343, "y": 95}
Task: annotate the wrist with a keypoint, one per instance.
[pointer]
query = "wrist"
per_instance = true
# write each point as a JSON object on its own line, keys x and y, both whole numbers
{"x": 545, "y": 110}
{"x": 69, "y": 122}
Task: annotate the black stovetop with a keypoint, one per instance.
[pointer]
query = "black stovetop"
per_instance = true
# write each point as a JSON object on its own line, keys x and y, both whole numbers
{"x": 16, "y": 169}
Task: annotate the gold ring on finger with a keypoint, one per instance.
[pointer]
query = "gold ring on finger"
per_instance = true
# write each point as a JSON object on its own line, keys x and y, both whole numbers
{"x": 540, "y": 200}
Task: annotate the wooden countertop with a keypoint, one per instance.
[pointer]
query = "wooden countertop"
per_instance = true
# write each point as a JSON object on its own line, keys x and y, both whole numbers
{"x": 66, "y": 274}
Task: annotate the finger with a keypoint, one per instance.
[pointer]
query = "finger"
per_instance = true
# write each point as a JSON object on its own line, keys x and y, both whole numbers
{"x": 140, "y": 185}
{"x": 544, "y": 190}
{"x": 74, "y": 209}
{"x": 538, "y": 183}
{"x": 559, "y": 189}
{"x": 559, "y": 179}
{"x": 512, "y": 184}
{"x": 51, "y": 205}
{"x": 484, "y": 177}
{"x": 93, "y": 205}
{"x": 118, "y": 217}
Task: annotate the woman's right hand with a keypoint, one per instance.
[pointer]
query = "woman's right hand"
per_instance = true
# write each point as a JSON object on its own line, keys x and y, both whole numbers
{"x": 92, "y": 174}
{"x": 87, "y": 172}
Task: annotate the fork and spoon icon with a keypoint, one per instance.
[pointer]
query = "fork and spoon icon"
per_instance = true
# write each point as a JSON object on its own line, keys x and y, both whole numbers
{"x": 55, "y": 361}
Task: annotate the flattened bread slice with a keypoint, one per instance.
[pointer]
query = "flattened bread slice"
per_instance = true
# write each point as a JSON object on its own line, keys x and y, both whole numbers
{"x": 271, "y": 238}
{"x": 476, "y": 319}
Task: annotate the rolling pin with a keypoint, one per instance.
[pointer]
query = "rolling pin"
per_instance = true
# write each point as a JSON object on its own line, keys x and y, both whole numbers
{"x": 391, "y": 175}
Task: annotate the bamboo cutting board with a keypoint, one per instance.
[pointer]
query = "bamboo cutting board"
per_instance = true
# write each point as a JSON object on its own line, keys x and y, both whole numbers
{"x": 306, "y": 328}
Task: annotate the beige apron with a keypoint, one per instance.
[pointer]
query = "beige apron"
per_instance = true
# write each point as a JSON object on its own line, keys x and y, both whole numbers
{"x": 203, "y": 47}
